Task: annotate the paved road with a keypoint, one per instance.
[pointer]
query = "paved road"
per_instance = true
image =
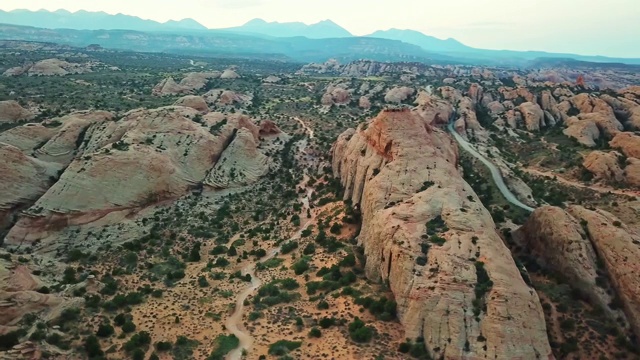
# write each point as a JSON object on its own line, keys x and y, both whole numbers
{"x": 495, "y": 173}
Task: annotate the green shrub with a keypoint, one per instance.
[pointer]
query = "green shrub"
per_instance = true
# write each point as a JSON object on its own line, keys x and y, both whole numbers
{"x": 282, "y": 347}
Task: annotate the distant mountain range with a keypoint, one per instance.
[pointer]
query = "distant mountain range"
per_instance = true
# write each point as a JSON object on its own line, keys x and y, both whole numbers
{"x": 296, "y": 40}
{"x": 86, "y": 20}
{"x": 323, "y": 30}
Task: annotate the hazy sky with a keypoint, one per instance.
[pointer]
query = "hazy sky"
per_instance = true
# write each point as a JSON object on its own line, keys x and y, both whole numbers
{"x": 587, "y": 27}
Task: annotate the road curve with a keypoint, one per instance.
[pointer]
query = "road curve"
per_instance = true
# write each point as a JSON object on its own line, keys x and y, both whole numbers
{"x": 495, "y": 173}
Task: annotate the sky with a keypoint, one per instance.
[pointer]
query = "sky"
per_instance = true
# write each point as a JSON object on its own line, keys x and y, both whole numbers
{"x": 587, "y": 27}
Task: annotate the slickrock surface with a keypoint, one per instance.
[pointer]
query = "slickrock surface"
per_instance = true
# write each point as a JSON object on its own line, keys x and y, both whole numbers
{"x": 240, "y": 163}
{"x": 159, "y": 154}
{"x": 11, "y": 111}
{"x": 557, "y": 236}
{"x": 558, "y": 242}
{"x": 604, "y": 165}
{"x": 386, "y": 168}
{"x": 23, "y": 179}
{"x": 194, "y": 102}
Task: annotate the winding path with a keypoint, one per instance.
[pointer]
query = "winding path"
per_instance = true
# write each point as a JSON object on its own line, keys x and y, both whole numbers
{"x": 307, "y": 128}
{"x": 234, "y": 322}
{"x": 495, "y": 173}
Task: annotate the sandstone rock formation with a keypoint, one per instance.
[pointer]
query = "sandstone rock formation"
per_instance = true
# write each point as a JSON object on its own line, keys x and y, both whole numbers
{"x": 194, "y": 102}
{"x": 520, "y": 92}
{"x": 476, "y": 93}
{"x": 433, "y": 110}
{"x": 18, "y": 296}
{"x": 628, "y": 143}
{"x": 398, "y": 94}
{"x": 190, "y": 83}
{"x": 271, "y": 79}
{"x": 198, "y": 80}
{"x": 564, "y": 241}
{"x": 586, "y": 132}
{"x": 402, "y": 173}
{"x": 268, "y": 127}
{"x": 532, "y": 115}
{"x": 559, "y": 243}
{"x": 24, "y": 179}
{"x": 592, "y": 109}
{"x": 364, "y": 102}
{"x": 240, "y": 164}
{"x": 168, "y": 86}
{"x": 337, "y": 95}
{"x": 604, "y": 166}
{"x": 495, "y": 108}
{"x": 11, "y": 111}
{"x": 219, "y": 97}
{"x": 229, "y": 74}
{"x": 160, "y": 154}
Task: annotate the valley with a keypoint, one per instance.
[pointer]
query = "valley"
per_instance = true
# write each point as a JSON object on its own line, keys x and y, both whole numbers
{"x": 167, "y": 206}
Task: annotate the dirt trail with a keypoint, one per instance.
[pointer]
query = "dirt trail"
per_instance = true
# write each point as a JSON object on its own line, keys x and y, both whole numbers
{"x": 234, "y": 322}
{"x": 597, "y": 188}
{"x": 304, "y": 125}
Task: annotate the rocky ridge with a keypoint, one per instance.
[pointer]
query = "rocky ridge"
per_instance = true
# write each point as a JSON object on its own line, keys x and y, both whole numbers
{"x": 402, "y": 174}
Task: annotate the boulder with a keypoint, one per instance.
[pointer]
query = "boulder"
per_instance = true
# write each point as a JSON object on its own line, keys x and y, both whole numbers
{"x": 402, "y": 174}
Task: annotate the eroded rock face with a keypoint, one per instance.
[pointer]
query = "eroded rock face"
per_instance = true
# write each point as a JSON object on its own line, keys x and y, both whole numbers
{"x": 18, "y": 296}
{"x": 11, "y": 111}
{"x": 160, "y": 154}
{"x": 559, "y": 243}
{"x": 386, "y": 169}
{"x": 616, "y": 246}
{"x": 586, "y": 132}
{"x": 628, "y": 143}
{"x": 604, "y": 165}
{"x": 240, "y": 163}
{"x": 24, "y": 179}
{"x": 533, "y": 116}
